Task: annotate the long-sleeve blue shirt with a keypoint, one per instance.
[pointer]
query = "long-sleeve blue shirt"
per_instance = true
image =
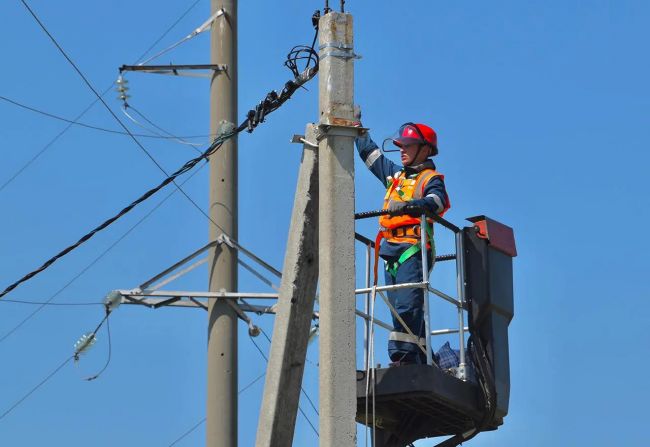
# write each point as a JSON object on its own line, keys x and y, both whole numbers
{"x": 435, "y": 195}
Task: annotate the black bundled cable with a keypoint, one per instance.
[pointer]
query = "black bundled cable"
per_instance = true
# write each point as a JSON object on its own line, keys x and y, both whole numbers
{"x": 303, "y": 52}
{"x": 274, "y": 99}
{"x": 185, "y": 168}
{"x": 270, "y": 103}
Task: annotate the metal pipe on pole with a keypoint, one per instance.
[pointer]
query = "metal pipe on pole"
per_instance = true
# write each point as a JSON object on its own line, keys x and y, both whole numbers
{"x": 221, "y": 412}
{"x": 337, "y": 380}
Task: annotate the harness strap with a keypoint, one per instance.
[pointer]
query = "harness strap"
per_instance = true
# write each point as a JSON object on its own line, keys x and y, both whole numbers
{"x": 406, "y": 255}
{"x": 411, "y": 251}
{"x": 378, "y": 239}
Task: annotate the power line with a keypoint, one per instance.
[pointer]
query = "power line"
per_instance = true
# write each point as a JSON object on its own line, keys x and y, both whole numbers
{"x": 47, "y": 303}
{"x": 165, "y": 134}
{"x": 57, "y": 369}
{"x": 80, "y": 115}
{"x": 299, "y": 407}
{"x": 99, "y": 97}
{"x": 90, "y": 126}
{"x": 169, "y": 178}
{"x": 162, "y": 36}
{"x": 254, "y": 117}
{"x": 40, "y": 384}
{"x": 183, "y": 169}
{"x": 96, "y": 260}
{"x": 198, "y": 424}
{"x": 187, "y": 433}
{"x": 49, "y": 144}
{"x": 304, "y": 393}
{"x": 110, "y": 346}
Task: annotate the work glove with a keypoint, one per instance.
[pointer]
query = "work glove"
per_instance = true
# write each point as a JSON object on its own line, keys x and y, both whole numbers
{"x": 396, "y": 208}
{"x": 363, "y": 141}
{"x": 357, "y": 115}
{"x": 415, "y": 208}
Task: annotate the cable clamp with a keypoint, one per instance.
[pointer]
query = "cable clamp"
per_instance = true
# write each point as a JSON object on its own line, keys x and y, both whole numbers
{"x": 224, "y": 239}
{"x": 113, "y": 300}
{"x": 340, "y": 55}
{"x": 339, "y": 127}
{"x": 225, "y": 128}
{"x": 337, "y": 45}
{"x": 340, "y": 50}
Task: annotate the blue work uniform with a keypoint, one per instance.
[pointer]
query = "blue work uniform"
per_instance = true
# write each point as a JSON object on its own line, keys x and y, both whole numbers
{"x": 409, "y": 302}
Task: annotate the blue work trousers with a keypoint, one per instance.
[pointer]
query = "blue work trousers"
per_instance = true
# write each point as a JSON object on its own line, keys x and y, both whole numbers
{"x": 409, "y": 304}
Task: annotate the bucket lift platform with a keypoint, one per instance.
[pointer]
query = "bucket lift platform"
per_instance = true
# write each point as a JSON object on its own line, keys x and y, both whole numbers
{"x": 417, "y": 401}
{"x": 410, "y": 402}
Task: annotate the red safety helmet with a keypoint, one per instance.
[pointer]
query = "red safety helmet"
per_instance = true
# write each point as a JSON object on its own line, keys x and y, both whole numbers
{"x": 410, "y": 133}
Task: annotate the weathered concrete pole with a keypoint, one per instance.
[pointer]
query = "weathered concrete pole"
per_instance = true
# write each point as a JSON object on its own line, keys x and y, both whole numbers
{"x": 336, "y": 233}
{"x": 295, "y": 309}
{"x": 221, "y": 412}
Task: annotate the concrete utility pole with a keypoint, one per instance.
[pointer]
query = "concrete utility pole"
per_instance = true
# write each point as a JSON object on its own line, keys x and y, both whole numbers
{"x": 221, "y": 414}
{"x": 336, "y": 233}
{"x": 295, "y": 309}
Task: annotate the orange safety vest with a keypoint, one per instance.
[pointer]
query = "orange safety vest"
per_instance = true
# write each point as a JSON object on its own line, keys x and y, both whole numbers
{"x": 405, "y": 228}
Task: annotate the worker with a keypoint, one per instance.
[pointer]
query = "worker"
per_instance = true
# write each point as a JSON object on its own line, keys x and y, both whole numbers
{"x": 412, "y": 189}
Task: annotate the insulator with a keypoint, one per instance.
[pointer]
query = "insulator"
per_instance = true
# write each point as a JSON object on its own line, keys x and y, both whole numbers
{"x": 85, "y": 342}
{"x": 113, "y": 299}
{"x": 122, "y": 88}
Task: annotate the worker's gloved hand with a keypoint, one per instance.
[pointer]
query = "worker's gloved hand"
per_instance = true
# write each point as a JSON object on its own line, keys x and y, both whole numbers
{"x": 414, "y": 208}
{"x": 397, "y": 208}
{"x": 357, "y": 114}
{"x": 363, "y": 141}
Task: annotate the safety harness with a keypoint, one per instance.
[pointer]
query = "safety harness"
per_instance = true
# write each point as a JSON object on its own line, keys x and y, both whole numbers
{"x": 404, "y": 228}
{"x": 391, "y": 267}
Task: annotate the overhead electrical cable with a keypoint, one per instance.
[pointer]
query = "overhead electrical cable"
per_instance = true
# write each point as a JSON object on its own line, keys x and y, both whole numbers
{"x": 83, "y": 112}
{"x": 172, "y": 26}
{"x": 94, "y": 261}
{"x": 299, "y": 407}
{"x": 46, "y": 303}
{"x": 49, "y": 144}
{"x": 110, "y": 346}
{"x": 311, "y": 403}
{"x": 160, "y": 132}
{"x": 33, "y": 390}
{"x": 187, "y": 433}
{"x": 90, "y": 86}
{"x": 48, "y": 377}
{"x": 269, "y": 104}
{"x": 90, "y": 126}
{"x": 198, "y": 424}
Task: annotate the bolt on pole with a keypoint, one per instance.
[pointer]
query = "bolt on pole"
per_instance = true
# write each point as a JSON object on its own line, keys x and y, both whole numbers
{"x": 336, "y": 233}
{"x": 221, "y": 412}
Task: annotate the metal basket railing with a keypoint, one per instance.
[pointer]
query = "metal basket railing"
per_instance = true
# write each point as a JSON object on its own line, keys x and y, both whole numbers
{"x": 370, "y": 291}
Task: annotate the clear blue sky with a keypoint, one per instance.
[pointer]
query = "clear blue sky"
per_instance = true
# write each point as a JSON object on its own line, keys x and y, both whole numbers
{"x": 542, "y": 115}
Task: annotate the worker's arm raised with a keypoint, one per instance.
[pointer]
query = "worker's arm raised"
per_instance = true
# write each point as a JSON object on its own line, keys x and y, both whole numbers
{"x": 371, "y": 155}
